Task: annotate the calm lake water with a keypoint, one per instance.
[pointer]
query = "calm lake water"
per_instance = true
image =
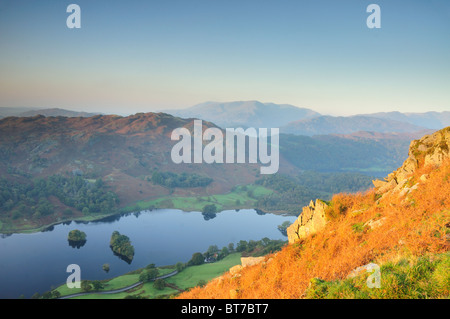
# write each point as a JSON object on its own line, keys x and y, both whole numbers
{"x": 35, "y": 262}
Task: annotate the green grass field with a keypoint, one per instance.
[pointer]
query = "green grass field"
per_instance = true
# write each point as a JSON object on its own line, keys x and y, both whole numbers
{"x": 191, "y": 276}
{"x": 147, "y": 290}
{"x": 188, "y": 278}
{"x": 116, "y": 282}
{"x": 240, "y": 197}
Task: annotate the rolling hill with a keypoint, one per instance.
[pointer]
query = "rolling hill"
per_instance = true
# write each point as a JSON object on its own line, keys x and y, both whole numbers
{"x": 123, "y": 161}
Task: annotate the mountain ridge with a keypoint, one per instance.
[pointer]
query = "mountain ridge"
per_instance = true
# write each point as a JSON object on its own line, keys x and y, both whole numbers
{"x": 245, "y": 113}
{"x": 326, "y": 124}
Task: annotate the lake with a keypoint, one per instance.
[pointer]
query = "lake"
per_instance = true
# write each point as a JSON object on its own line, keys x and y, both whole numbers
{"x": 35, "y": 262}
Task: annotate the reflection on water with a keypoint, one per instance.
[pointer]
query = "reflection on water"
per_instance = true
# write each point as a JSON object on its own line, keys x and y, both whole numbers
{"x": 32, "y": 263}
{"x": 122, "y": 257}
{"x": 260, "y": 212}
{"x": 77, "y": 243}
{"x": 208, "y": 216}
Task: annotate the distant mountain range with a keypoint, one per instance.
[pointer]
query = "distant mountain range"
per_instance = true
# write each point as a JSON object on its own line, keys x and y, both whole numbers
{"x": 432, "y": 120}
{"x": 246, "y": 113}
{"x": 323, "y": 125}
{"x": 303, "y": 121}
{"x": 290, "y": 119}
{"x": 27, "y": 112}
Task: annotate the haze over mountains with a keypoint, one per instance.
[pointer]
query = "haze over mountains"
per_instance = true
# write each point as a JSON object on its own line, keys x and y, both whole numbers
{"x": 27, "y": 111}
{"x": 346, "y": 125}
{"x": 303, "y": 121}
{"x": 246, "y": 113}
{"x": 290, "y": 119}
{"x": 432, "y": 120}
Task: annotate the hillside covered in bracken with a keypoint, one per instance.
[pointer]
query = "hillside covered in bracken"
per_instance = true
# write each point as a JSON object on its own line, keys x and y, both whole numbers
{"x": 402, "y": 225}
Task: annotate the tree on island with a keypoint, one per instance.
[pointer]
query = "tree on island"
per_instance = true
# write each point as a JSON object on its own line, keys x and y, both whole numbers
{"x": 121, "y": 245}
{"x": 76, "y": 238}
{"x": 76, "y": 235}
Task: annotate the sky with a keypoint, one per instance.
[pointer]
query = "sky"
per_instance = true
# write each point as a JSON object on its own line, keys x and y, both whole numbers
{"x": 142, "y": 56}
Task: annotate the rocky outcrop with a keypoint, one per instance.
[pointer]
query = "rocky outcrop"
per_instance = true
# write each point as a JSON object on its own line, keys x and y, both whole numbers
{"x": 250, "y": 261}
{"x": 431, "y": 150}
{"x": 311, "y": 220}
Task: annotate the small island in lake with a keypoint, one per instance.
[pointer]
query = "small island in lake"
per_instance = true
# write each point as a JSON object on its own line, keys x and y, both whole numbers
{"x": 76, "y": 238}
{"x": 121, "y": 246}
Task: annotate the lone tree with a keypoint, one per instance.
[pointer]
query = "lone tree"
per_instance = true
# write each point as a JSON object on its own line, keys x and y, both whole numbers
{"x": 197, "y": 259}
{"x": 105, "y": 267}
{"x": 159, "y": 284}
{"x": 209, "y": 209}
{"x": 86, "y": 286}
{"x": 180, "y": 266}
{"x": 97, "y": 285}
{"x": 148, "y": 275}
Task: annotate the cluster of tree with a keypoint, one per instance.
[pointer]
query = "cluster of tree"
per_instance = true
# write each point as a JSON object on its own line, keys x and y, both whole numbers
{"x": 121, "y": 246}
{"x": 211, "y": 255}
{"x": 250, "y": 248}
{"x": 334, "y": 183}
{"x": 172, "y": 180}
{"x": 339, "y": 154}
{"x": 150, "y": 273}
{"x": 76, "y": 238}
{"x": 31, "y": 199}
{"x": 261, "y": 247}
{"x": 55, "y": 294}
{"x": 288, "y": 195}
{"x": 94, "y": 285}
{"x": 291, "y": 193}
{"x": 76, "y": 235}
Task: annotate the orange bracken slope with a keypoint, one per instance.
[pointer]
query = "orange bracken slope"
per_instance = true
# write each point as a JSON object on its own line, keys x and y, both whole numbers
{"x": 362, "y": 228}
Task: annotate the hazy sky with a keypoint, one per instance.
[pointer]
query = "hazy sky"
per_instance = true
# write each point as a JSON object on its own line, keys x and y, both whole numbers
{"x": 151, "y": 55}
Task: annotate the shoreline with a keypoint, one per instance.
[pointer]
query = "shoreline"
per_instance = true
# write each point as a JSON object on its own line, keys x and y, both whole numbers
{"x": 87, "y": 219}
